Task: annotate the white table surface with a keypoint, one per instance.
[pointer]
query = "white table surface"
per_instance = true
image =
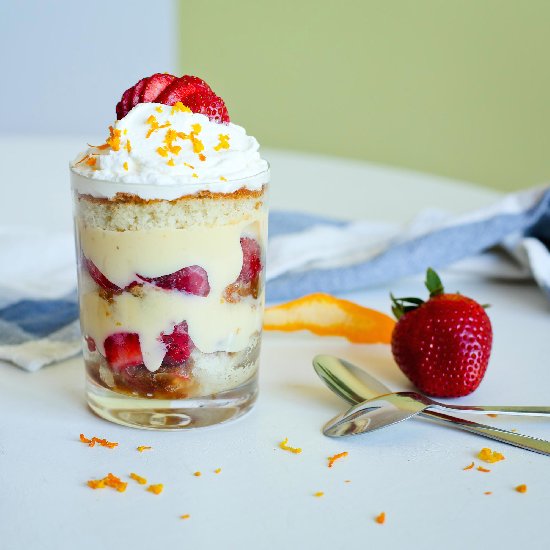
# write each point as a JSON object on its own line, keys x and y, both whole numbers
{"x": 263, "y": 498}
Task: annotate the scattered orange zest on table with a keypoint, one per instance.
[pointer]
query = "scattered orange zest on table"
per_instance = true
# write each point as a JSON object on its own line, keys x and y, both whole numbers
{"x": 217, "y": 470}
{"x": 492, "y": 415}
{"x": 488, "y": 493}
{"x": 185, "y": 516}
{"x": 521, "y": 488}
{"x": 139, "y": 479}
{"x": 380, "y": 518}
{"x": 490, "y": 456}
{"x": 333, "y": 459}
{"x": 142, "y": 448}
{"x": 482, "y": 469}
{"x": 101, "y": 442}
{"x": 469, "y": 467}
{"x": 326, "y": 315}
{"x": 156, "y": 489}
{"x": 285, "y": 447}
{"x": 109, "y": 480}
{"x": 319, "y": 494}
{"x": 197, "y": 474}
{"x": 347, "y": 481}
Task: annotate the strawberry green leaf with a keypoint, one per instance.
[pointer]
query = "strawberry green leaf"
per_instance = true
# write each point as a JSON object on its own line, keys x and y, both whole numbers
{"x": 433, "y": 283}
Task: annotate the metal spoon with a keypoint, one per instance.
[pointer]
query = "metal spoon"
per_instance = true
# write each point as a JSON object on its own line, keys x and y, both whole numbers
{"x": 355, "y": 385}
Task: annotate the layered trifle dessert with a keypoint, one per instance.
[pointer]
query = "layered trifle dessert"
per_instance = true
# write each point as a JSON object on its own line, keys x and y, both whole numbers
{"x": 171, "y": 226}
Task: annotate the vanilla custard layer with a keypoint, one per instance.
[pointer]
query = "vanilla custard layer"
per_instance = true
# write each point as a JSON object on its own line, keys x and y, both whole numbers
{"x": 214, "y": 324}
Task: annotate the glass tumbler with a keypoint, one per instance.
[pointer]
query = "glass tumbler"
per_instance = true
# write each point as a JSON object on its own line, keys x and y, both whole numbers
{"x": 171, "y": 294}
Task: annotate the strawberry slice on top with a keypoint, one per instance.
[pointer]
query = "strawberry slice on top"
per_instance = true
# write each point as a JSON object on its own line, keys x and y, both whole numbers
{"x": 154, "y": 86}
{"x": 167, "y": 89}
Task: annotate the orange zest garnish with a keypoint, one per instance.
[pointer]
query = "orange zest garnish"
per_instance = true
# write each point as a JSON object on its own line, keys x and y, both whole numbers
{"x": 185, "y": 516}
{"x": 490, "y": 456}
{"x": 189, "y": 165}
{"x": 202, "y": 157}
{"x": 101, "y": 442}
{"x": 488, "y": 493}
{"x": 333, "y": 459}
{"x": 469, "y": 467}
{"x": 171, "y": 162}
{"x": 180, "y": 107}
{"x": 217, "y": 470}
{"x": 327, "y": 315}
{"x": 222, "y": 178}
{"x": 482, "y": 469}
{"x": 223, "y": 142}
{"x": 142, "y": 448}
{"x": 285, "y": 447}
{"x": 380, "y": 518}
{"x": 100, "y": 147}
{"x": 128, "y": 146}
{"x": 521, "y": 488}
{"x": 156, "y": 489}
{"x": 194, "y": 175}
{"x": 154, "y": 125}
{"x": 109, "y": 480}
{"x": 139, "y": 479}
{"x": 91, "y": 161}
{"x": 197, "y": 474}
{"x": 125, "y": 166}
{"x": 113, "y": 140}
{"x": 319, "y": 494}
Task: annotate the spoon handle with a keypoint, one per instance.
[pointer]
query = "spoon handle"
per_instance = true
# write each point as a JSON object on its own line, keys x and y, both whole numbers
{"x": 504, "y": 436}
{"x": 479, "y": 409}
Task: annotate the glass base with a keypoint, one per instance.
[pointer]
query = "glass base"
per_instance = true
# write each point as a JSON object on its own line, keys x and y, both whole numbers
{"x": 177, "y": 414}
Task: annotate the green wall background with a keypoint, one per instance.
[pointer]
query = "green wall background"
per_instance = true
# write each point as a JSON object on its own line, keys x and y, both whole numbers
{"x": 457, "y": 88}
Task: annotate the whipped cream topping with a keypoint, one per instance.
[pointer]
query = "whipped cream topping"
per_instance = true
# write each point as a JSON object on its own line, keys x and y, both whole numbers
{"x": 163, "y": 145}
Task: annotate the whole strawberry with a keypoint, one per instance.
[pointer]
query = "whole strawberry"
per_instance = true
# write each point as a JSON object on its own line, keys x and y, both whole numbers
{"x": 442, "y": 345}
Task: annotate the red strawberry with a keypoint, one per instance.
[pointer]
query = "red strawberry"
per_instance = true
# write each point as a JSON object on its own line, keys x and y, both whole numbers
{"x": 197, "y": 95}
{"x": 192, "y": 279}
{"x": 214, "y": 109}
{"x": 124, "y": 106}
{"x": 252, "y": 260}
{"x": 442, "y": 345}
{"x": 178, "y": 345}
{"x": 154, "y": 86}
{"x": 138, "y": 88}
{"x": 123, "y": 351}
{"x": 98, "y": 277}
{"x": 90, "y": 343}
{"x": 167, "y": 89}
{"x": 248, "y": 281}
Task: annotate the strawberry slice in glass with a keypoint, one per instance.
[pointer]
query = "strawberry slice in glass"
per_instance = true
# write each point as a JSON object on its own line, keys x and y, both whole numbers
{"x": 192, "y": 280}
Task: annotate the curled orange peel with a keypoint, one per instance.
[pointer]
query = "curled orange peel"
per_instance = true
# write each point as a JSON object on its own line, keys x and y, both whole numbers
{"x": 326, "y": 315}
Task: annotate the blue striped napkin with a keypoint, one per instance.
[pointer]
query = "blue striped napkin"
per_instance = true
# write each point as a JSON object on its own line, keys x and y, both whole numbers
{"x": 38, "y": 306}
